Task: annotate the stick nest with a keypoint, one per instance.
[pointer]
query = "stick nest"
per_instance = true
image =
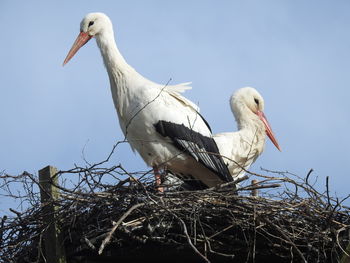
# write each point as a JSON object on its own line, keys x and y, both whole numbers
{"x": 109, "y": 213}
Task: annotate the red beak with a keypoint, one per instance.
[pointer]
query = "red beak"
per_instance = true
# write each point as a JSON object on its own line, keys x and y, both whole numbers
{"x": 269, "y": 131}
{"x": 81, "y": 40}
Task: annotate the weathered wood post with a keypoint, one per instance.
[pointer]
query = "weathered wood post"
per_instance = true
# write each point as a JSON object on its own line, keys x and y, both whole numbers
{"x": 54, "y": 247}
{"x": 255, "y": 192}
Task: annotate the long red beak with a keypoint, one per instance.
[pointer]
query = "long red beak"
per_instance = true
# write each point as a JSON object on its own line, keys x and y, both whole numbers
{"x": 269, "y": 131}
{"x": 81, "y": 40}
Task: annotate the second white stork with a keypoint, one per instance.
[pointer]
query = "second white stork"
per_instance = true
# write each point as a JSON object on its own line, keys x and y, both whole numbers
{"x": 240, "y": 149}
{"x": 164, "y": 127}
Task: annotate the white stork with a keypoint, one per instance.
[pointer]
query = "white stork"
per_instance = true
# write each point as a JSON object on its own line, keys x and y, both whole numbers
{"x": 164, "y": 127}
{"x": 240, "y": 149}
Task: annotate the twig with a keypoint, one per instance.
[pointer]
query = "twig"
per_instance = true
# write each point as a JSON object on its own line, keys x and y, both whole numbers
{"x": 110, "y": 234}
{"x": 288, "y": 240}
{"x": 300, "y": 219}
{"x": 327, "y": 192}
{"x": 308, "y": 175}
{"x": 190, "y": 242}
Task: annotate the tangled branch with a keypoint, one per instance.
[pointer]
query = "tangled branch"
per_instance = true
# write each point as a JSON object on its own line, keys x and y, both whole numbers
{"x": 105, "y": 209}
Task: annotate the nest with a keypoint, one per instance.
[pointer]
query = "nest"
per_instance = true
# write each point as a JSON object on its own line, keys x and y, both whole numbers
{"x": 108, "y": 213}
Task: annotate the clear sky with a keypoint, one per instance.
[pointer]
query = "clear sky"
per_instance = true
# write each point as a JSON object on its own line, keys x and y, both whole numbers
{"x": 296, "y": 53}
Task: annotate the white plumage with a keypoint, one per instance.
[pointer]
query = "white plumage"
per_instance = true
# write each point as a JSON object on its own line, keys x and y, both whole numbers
{"x": 164, "y": 127}
{"x": 242, "y": 148}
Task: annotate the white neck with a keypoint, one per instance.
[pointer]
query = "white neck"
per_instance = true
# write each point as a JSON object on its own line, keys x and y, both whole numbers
{"x": 251, "y": 129}
{"x": 113, "y": 60}
{"x": 122, "y": 76}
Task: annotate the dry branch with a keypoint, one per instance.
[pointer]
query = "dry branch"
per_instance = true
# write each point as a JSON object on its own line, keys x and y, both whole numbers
{"x": 289, "y": 220}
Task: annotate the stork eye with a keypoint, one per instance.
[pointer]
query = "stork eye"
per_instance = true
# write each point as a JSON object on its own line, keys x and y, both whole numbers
{"x": 256, "y": 101}
{"x": 91, "y": 23}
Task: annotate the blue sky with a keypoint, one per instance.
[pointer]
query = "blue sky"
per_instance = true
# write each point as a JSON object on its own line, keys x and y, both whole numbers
{"x": 295, "y": 53}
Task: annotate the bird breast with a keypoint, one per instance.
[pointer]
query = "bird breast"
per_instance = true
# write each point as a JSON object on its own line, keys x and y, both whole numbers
{"x": 240, "y": 149}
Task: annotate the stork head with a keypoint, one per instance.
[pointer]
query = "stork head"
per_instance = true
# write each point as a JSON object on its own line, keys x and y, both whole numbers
{"x": 247, "y": 105}
{"x": 93, "y": 24}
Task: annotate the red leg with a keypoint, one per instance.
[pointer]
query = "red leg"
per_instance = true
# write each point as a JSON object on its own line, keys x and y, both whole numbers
{"x": 158, "y": 177}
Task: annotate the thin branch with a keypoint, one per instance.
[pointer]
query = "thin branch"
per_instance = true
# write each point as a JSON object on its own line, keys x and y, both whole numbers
{"x": 110, "y": 234}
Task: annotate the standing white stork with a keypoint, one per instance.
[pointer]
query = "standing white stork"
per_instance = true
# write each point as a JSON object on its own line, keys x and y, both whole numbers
{"x": 165, "y": 128}
{"x": 240, "y": 149}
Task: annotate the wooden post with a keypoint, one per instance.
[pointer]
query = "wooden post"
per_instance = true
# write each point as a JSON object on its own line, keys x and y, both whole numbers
{"x": 54, "y": 247}
{"x": 255, "y": 192}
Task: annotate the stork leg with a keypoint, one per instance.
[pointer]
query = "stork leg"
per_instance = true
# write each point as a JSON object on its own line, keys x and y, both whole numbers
{"x": 158, "y": 176}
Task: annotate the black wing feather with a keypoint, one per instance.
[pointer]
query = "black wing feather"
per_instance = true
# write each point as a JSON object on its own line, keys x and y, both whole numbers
{"x": 198, "y": 146}
{"x": 205, "y": 121}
